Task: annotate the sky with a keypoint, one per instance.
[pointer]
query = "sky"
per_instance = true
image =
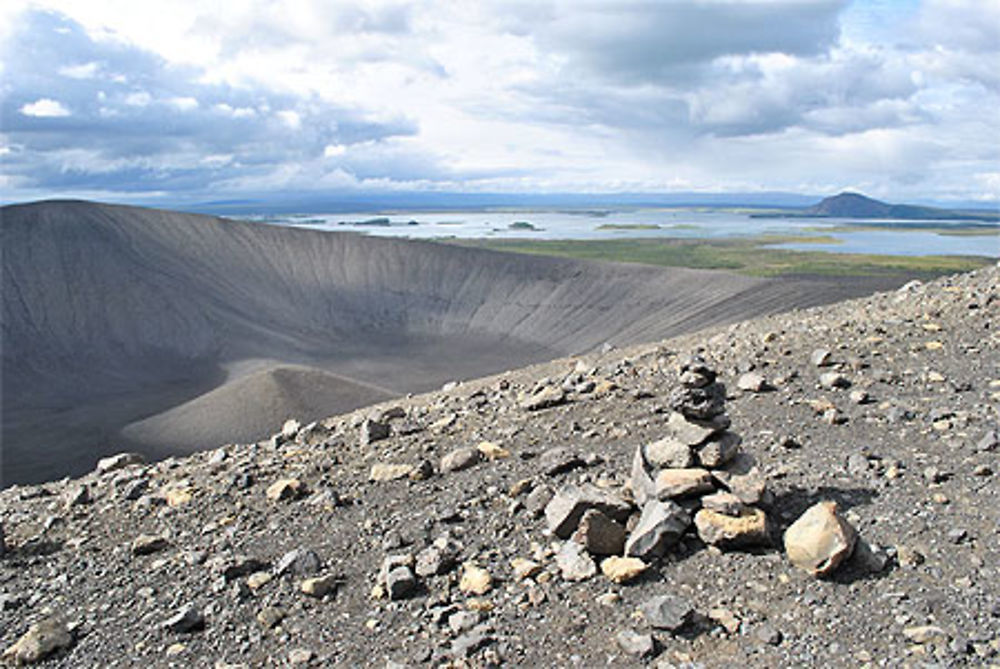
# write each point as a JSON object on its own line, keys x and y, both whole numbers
{"x": 186, "y": 100}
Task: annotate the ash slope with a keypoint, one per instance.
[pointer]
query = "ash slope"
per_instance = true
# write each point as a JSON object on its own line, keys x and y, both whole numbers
{"x": 914, "y": 470}
{"x": 113, "y": 316}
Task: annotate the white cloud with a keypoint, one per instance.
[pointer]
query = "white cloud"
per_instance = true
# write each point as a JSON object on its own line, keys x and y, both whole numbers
{"x": 45, "y": 108}
{"x": 548, "y": 95}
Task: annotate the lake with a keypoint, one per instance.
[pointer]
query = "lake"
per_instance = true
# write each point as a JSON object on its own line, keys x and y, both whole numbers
{"x": 651, "y": 223}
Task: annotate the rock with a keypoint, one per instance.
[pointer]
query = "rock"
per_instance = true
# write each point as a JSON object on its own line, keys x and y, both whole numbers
{"x": 300, "y": 656}
{"x": 547, "y": 397}
{"x": 623, "y": 569}
{"x": 3, "y": 542}
{"x": 290, "y": 429}
{"x": 667, "y": 612}
{"x": 40, "y": 641}
{"x": 319, "y": 586}
{"x": 925, "y": 634}
{"x": 990, "y": 441}
{"x": 672, "y": 483}
{"x": 397, "y": 576}
{"x": 726, "y": 618}
{"x": 285, "y": 490}
{"x": 599, "y": 534}
{"x": 750, "y": 488}
{"x": 381, "y": 472}
{"x": 236, "y": 566}
{"x": 869, "y": 557}
{"x": 271, "y": 616}
{"x": 719, "y": 450}
{"x": 668, "y": 452}
{"x": 831, "y": 380}
{"x": 187, "y": 619}
{"x": 372, "y": 431}
{"x": 462, "y": 621}
{"x": 146, "y": 544}
{"x": 768, "y": 634}
{"x": 820, "y": 539}
{"x": 821, "y": 357}
{"x": 300, "y": 561}
{"x": 559, "y": 460}
{"x": 259, "y": 579}
{"x": 724, "y": 531}
{"x": 469, "y": 643}
{"x": 77, "y": 496}
{"x": 633, "y": 643}
{"x": 660, "y": 526}
{"x": 177, "y": 497}
{"x": 524, "y": 568}
{"x": 119, "y": 461}
{"x": 859, "y": 397}
{"x": 459, "y": 459}
{"x": 538, "y": 499}
{"x": 492, "y": 451}
{"x": 438, "y": 558}
{"x": 475, "y": 580}
{"x": 640, "y": 482}
{"x": 699, "y": 403}
{"x": 857, "y": 464}
{"x": 564, "y": 511}
{"x": 690, "y": 432}
{"x": 723, "y": 502}
{"x": 752, "y": 382}
{"x": 574, "y": 563}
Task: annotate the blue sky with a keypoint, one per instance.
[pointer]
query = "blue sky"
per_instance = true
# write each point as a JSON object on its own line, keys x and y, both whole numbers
{"x": 184, "y": 101}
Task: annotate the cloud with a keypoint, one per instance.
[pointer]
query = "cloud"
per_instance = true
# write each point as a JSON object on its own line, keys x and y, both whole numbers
{"x": 138, "y": 121}
{"x": 44, "y": 108}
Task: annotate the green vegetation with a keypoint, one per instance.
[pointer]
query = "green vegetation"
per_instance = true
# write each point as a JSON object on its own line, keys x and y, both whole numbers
{"x": 521, "y": 225}
{"x": 746, "y": 256}
{"x": 628, "y": 226}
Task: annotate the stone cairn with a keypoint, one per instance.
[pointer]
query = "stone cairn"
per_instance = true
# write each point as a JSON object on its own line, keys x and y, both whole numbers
{"x": 695, "y": 475}
{"x": 697, "y": 470}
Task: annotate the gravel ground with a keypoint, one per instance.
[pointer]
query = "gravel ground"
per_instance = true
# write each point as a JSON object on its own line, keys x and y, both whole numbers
{"x": 899, "y": 426}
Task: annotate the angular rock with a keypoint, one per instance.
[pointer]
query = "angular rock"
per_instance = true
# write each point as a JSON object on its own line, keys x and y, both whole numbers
{"x": 40, "y": 641}
{"x": 438, "y": 558}
{"x": 271, "y": 616}
{"x": 559, "y": 460}
{"x": 821, "y": 357}
{"x": 640, "y": 482}
{"x": 623, "y": 569}
{"x": 475, "y": 580}
{"x": 290, "y": 429}
{"x": 925, "y": 633}
{"x": 492, "y": 451}
{"x": 459, "y": 459}
{"x": 699, "y": 403}
{"x": 564, "y": 511}
{"x": 285, "y": 490}
{"x": 236, "y": 566}
{"x": 300, "y": 561}
{"x": 673, "y": 483}
{"x": 723, "y": 502}
{"x": 831, "y": 380}
{"x": 524, "y": 568}
{"x": 146, "y": 544}
{"x": 187, "y": 619}
{"x": 719, "y": 450}
{"x": 548, "y": 397}
{"x": 319, "y": 586}
{"x": 599, "y": 534}
{"x": 118, "y": 461}
{"x": 660, "y": 526}
{"x": 820, "y": 539}
{"x": 667, "y": 612}
{"x": 747, "y": 529}
{"x": 668, "y": 452}
{"x": 690, "y": 432}
{"x": 633, "y": 643}
{"x": 396, "y": 574}
{"x": 384, "y": 471}
{"x": 752, "y": 382}
{"x": 574, "y": 563}
{"x": 372, "y": 431}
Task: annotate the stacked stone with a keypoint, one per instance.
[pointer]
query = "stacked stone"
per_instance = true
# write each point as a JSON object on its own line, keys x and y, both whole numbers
{"x": 696, "y": 472}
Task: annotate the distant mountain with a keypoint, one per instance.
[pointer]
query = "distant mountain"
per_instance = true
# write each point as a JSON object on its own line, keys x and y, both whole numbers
{"x": 855, "y": 205}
